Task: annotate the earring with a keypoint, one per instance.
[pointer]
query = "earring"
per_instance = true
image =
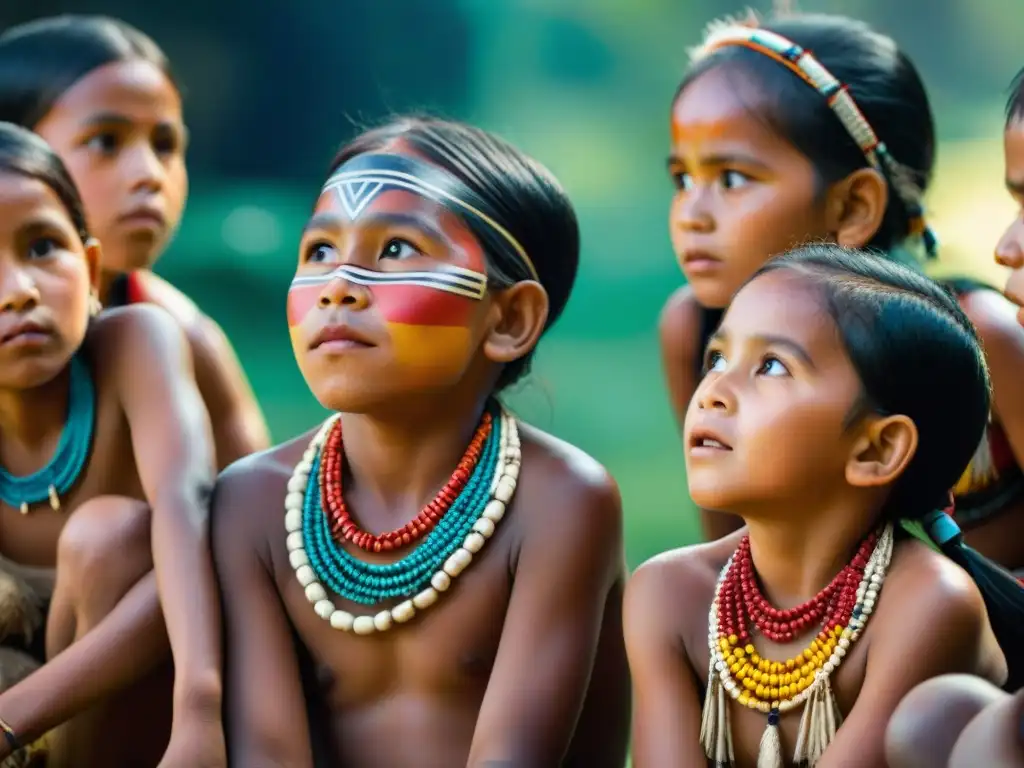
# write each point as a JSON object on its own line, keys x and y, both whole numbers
{"x": 94, "y": 304}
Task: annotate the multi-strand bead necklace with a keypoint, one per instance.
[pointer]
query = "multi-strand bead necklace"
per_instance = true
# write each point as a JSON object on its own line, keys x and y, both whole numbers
{"x": 450, "y": 530}
{"x": 839, "y": 612}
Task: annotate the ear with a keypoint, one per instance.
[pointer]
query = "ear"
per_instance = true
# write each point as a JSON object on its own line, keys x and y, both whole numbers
{"x": 521, "y": 315}
{"x": 856, "y": 206}
{"x": 882, "y": 451}
{"x": 93, "y": 259}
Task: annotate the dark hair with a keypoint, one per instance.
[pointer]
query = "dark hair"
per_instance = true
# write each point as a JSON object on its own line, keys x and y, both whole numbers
{"x": 882, "y": 81}
{"x": 917, "y": 354}
{"x": 40, "y": 60}
{"x": 519, "y": 193}
{"x": 1015, "y": 104}
{"x": 24, "y": 153}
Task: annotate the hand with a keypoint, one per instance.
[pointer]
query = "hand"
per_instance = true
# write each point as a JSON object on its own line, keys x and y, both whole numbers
{"x": 198, "y": 743}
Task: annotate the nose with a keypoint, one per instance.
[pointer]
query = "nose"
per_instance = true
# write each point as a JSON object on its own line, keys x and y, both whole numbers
{"x": 143, "y": 168}
{"x": 691, "y": 211}
{"x": 1010, "y": 249}
{"x": 18, "y": 292}
{"x": 342, "y": 292}
{"x": 715, "y": 393}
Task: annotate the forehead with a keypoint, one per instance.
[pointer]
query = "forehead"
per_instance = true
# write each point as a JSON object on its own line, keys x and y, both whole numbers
{"x": 720, "y": 106}
{"x": 136, "y": 89}
{"x": 785, "y": 304}
{"x": 21, "y": 196}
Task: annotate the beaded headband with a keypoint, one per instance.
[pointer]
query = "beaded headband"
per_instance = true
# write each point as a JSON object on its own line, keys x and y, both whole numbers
{"x": 801, "y": 63}
{"x": 362, "y": 178}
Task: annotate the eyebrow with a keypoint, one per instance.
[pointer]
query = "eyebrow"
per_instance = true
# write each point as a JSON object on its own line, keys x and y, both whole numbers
{"x": 381, "y": 219}
{"x": 721, "y": 158}
{"x": 773, "y": 340}
{"x": 113, "y": 118}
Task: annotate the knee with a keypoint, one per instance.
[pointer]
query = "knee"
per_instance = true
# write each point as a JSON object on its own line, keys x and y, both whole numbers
{"x": 108, "y": 533}
{"x": 927, "y": 723}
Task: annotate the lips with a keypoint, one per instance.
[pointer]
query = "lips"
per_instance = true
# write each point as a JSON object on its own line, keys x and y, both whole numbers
{"x": 145, "y": 214}
{"x": 340, "y": 335}
{"x": 22, "y": 328}
{"x": 702, "y": 438}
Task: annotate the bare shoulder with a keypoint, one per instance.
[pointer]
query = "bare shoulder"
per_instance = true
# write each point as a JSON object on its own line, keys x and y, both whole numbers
{"x": 161, "y": 293}
{"x": 248, "y": 499}
{"x": 134, "y": 334}
{"x": 995, "y": 318}
{"x": 679, "y": 323}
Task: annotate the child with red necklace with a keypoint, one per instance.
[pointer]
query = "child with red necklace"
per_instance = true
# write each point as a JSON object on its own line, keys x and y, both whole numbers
{"x": 823, "y": 421}
{"x": 423, "y": 581}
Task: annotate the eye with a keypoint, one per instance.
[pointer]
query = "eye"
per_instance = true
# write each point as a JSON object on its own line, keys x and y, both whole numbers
{"x": 772, "y": 366}
{"x": 42, "y": 247}
{"x": 715, "y": 361}
{"x": 166, "y": 142}
{"x": 319, "y": 253}
{"x": 683, "y": 181}
{"x": 396, "y": 248}
{"x": 105, "y": 143}
{"x": 734, "y": 179}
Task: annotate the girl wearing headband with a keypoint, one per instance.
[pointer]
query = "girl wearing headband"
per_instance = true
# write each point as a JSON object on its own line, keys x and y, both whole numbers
{"x": 814, "y": 128}
{"x": 823, "y": 421}
{"x": 102, "y": 94}
{"x": 453, "y": 576}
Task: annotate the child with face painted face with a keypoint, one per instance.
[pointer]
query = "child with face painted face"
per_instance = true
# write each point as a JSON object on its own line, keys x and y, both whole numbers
{"x": 773, "y": 146}
{"x": 102, "y": 95}
{"x": 823, "y": 421}
{"x": 453, "y": 576}
{"x": 104, "y": 445}
{"x": 1010, "y": 251}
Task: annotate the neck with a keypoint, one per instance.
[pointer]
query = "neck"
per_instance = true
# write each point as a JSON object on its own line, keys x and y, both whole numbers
{"x": 31, "y": 420}
{"x": 399, "y": 464}
{"x": 796, "y": 558}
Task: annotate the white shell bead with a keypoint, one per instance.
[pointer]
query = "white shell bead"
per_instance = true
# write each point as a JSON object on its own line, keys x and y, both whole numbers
{"x": 303, "y": 467}
{"x": 440, "y": 581}
{"x": 382, "y": 621}
{"x": 297, "y": 484}
{"x": 293, "y": 501}
{"x": 363, "y": 625}
{"x": 426, "y": 598}
{"x": 506, "y": 487}
{"x": 315, "y": 592}
{"x": 324, "y": 609}
{"x": 512, "y": 470}
{"x": 298, "y": 557}
{"x": 305, "y": 575}
{"x": 342, "y": 620}
{"x": 402, "y": 612}
{"x": 294, "y": 540}
{"x": 484, "y": 527}
{"x": 457, "y": 563}
{"x": 474, "y": 542}
{"x": 513, "y": 454}
{"x": 495, "y": 510}
{"x": 293, "y": 520}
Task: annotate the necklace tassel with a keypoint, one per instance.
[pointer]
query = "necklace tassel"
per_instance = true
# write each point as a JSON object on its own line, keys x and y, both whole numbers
{"x": 769, "y": 755}
{"x": 818, "y": 725}
{"x": 715, "y": 733}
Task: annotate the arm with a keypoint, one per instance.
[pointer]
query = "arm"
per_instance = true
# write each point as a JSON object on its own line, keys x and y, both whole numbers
{"x": 570, "y": 557}
{"x": 161, "y": 401}
{"x": 1003, "y": 340}
{"x": 263, "y": 731}
{"x": 679, "y": 327}
{"x": 666, "y": 697}
{"x": 950, "y": 606}
{"x": 238, "y": 425}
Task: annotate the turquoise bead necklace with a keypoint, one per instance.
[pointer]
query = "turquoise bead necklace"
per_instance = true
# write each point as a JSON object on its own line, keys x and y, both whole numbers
{"x": 68, "y": 461}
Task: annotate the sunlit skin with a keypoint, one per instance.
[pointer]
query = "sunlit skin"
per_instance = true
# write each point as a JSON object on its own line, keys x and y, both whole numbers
{"x": 743, "y": 194}
{"x": 121, "y": 133}
{"x": 781, "y": 386}
{"x": 108, "y": 653}
{"x": 1010, "y": 250}
{"x": 530, "y": 638}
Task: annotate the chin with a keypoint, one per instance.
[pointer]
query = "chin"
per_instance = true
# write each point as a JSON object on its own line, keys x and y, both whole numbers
{"x": 711, "y": 293}
{"x": 28, "y": 372}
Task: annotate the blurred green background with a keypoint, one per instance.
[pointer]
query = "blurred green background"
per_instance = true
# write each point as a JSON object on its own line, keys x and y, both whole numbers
{"x": 272, "y": 88}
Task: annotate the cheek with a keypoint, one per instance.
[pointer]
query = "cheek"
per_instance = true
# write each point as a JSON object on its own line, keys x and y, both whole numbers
{"x": 301, "y": 299}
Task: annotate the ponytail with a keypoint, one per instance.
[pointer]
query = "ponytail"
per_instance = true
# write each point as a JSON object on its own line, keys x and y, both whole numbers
{"x": 1003, "y": 594}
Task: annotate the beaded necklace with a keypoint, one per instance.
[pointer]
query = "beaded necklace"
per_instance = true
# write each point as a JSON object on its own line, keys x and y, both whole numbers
{"x": 68, "y": 461}
{"x": 421, "y": 576}
{"x": 737, "y": 670}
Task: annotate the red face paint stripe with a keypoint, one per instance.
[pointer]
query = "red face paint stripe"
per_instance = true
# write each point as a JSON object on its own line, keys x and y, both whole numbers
{"x": 301, "y": 299}
{"x": 409, "y": 304}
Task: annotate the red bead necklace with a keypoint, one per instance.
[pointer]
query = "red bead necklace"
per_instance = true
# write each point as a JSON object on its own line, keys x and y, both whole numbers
{"x": 344, "y": 528}
{"x": 742, "y": 605}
